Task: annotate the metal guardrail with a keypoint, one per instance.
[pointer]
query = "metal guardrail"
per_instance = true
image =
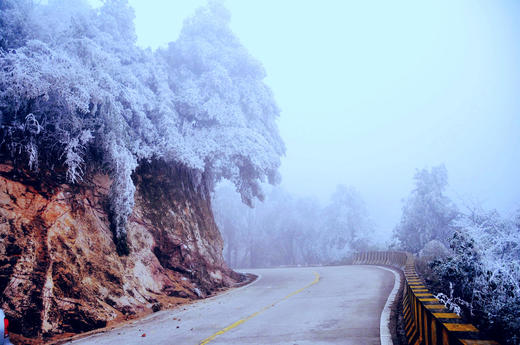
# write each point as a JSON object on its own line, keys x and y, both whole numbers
{"x": 427, "y": 321}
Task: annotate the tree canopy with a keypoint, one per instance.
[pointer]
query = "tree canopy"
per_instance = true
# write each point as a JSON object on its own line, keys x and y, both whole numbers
{"x": 76, "y": 92}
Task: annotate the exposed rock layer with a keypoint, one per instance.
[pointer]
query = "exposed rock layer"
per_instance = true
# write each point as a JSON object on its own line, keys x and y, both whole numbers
{"x": 59, "y": 270}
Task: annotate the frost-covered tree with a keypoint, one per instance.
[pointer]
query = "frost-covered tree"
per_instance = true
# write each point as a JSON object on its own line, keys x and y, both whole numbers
{"x": 428, "y": 214}
{"x": 76, "y": 93}
{"x": 227, "y": 114}
{"x": 74, "y": 88}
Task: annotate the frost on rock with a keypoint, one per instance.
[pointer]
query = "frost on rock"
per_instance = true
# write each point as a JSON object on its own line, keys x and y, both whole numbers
{"x": 77, "y": 94}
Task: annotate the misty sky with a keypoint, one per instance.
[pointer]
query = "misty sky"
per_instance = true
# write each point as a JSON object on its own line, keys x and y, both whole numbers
{"x": 372, "y": 90}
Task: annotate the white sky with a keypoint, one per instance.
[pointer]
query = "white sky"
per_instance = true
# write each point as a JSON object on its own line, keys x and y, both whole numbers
{"x": 372, "y": 90}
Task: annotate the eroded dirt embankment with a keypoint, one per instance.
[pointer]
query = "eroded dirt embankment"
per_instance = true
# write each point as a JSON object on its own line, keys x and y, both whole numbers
{"x": 59, "y": 269}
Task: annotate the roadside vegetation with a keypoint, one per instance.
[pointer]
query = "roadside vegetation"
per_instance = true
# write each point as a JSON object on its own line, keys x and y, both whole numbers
{"x": 470, "y": 258}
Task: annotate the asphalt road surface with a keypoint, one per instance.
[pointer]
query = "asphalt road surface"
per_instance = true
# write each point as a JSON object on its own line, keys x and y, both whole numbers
{"x": 303, "y": 306}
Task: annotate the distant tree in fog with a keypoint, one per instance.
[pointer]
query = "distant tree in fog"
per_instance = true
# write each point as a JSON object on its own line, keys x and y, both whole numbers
{"x": 284, "y": 230}
{"x": 427, "y": 213}
{"x": 76, "y": 93}
{"x": 346, "y": 224}
{"x": 268, "y": 234}
{"x": 236, "y": 223}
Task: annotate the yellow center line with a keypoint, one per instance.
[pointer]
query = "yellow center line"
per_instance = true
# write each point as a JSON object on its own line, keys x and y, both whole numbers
{"x": 241, "y": 321}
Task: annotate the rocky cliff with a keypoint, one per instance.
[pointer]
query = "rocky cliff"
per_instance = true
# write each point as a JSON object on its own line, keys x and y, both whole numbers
{"x": 59, "y": 269}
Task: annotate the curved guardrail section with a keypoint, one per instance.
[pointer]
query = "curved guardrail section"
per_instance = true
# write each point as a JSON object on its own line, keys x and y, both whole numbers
{"x": 427, "y": 321}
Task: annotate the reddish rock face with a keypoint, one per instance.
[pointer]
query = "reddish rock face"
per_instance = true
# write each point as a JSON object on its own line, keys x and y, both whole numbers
{"x": 59, "y": 269}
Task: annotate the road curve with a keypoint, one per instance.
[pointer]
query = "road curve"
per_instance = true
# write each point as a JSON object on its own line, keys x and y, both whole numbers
{"x": 303, "y": 306}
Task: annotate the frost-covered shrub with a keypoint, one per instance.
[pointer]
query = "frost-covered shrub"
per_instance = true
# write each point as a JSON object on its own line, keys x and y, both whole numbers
{"x": 13, "y": 22}
{"x": 76, "y": 92}
{"x": 434, "y": 250}
{"x": 481, "y": 278}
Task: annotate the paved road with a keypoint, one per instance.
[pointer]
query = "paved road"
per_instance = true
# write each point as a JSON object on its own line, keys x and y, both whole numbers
{"x": 311, "y": 305}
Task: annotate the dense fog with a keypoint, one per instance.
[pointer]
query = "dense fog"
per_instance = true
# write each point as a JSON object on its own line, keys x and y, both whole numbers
{"x": 370, "y": 92}
{"x": 287, "y": 230}
{"x": 320, "y": 128}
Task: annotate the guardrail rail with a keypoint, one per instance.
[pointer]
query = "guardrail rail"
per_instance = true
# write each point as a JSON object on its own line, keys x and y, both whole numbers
{"x": 427, "y": 321}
